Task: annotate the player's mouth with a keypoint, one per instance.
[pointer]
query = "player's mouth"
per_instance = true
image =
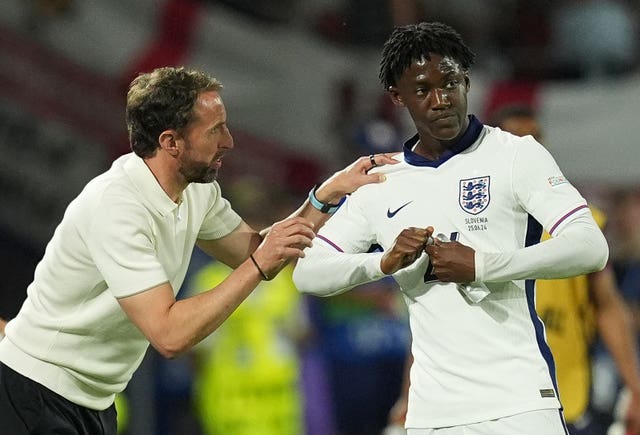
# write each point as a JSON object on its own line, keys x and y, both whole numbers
{"x": 443, "y": 118}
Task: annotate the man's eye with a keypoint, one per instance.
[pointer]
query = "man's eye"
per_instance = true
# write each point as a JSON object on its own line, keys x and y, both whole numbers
{"x": 452, "y": 84}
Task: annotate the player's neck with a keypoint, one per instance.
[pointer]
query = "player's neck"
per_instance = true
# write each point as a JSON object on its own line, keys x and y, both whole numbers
{"x": 432, "y": 149}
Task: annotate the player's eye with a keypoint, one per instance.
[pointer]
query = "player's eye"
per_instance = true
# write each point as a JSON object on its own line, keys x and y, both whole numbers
{"x": 452, "y": 84}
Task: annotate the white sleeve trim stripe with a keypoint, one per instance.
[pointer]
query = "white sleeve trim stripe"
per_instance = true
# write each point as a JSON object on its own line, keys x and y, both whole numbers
{"x": 336, "y": 247}
{"x": 563, "y": 218}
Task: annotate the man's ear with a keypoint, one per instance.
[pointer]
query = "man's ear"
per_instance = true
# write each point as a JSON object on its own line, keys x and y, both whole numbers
{"x": 395, "y": 96}
{"x": 167, "y": 140}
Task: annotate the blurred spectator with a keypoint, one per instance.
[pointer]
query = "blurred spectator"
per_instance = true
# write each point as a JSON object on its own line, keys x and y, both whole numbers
{"x": 268, "y": 11}
{"x": 363, "y": 335}
{"x": 355, "y": 22}
{"x": 247, "y": 378}
{"x": 487, "y": 24}
{"x": 573, "y": 309}
{"x": 365, "y": 124}
{"x": 625, "y": 253}
{"x": 42, "y": 11}
{"x": 592, "y": 38}
{"x": 381, "y": 132}
{"x": 528, "y": 39}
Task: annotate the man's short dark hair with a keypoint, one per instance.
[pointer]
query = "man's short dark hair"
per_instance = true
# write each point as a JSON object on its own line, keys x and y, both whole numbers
{"x": 413, "y": 42}
{"x": 160, "y": 100}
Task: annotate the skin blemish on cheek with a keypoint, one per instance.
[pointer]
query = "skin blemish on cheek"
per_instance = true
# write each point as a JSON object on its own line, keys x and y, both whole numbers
{"x": 449, "y": 66}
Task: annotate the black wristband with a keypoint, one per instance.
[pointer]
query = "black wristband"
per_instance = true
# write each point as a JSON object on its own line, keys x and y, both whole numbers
{"x": 264, "y": 275}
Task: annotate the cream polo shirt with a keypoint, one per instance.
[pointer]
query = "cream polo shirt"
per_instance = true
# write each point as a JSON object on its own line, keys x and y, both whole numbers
{"x": 122, "y": 235}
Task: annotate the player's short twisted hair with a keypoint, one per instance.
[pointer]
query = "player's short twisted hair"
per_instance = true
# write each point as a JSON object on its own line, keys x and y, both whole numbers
{"x": 160, "y": 100}
{"x": 412, "y": 42}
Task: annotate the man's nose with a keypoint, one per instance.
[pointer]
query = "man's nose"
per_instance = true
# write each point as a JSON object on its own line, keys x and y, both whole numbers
{"x": 440, "y": 97}
{"x": 228, "y": 139}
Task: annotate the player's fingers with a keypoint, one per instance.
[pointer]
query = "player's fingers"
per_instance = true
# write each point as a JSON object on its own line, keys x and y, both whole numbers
{"x": 432, "y": 251}
{"x": 415, "y": 233}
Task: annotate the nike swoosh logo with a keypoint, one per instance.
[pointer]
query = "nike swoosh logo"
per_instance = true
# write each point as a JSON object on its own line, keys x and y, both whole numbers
{"x": 391, "y": 214}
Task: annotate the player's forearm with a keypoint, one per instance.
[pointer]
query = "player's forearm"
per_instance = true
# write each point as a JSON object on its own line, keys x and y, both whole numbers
{"x": 579, "y": 248}
{"x": 324, "y": 272}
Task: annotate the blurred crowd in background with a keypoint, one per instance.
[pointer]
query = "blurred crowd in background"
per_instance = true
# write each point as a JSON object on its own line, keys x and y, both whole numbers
{"x": 286, "y": 363}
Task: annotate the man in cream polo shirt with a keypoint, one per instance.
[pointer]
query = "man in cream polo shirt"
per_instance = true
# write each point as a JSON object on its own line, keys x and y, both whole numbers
{"x": 106, "y": 285}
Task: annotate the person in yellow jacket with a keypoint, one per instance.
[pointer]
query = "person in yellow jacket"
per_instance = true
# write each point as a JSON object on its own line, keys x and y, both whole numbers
{"x": 247, "y": 377}
{"x": 574, "y": 310}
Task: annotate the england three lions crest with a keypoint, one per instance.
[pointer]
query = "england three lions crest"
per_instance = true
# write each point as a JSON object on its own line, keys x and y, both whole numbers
{"x": 474, "y": 194}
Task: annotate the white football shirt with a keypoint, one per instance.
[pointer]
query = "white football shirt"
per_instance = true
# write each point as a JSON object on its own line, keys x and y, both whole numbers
{"x": 472, "y": 361}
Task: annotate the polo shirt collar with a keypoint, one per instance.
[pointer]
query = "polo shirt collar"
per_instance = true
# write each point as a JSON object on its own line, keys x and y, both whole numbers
{"x": 145, "y": 182}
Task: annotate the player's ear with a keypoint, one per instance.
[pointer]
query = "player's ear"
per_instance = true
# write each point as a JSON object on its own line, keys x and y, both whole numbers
{"x": 395, "y": 96}
{"x": 167, "y": 140}
{"x": 467, "y": 82}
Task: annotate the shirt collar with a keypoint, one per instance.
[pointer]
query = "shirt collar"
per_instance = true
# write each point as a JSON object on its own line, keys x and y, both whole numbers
{"x": 145, "y": 182}
{"x": 468, "y": 138}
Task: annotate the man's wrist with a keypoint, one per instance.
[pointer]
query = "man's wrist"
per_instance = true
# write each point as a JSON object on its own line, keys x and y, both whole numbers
{"x": 325, "y": 204}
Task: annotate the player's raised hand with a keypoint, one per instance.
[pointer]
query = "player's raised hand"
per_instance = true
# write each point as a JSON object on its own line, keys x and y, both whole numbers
{"x": 284, "y": 242}
{"x": 452, "y": 261}
{"x": 349, "y": 179}
{"x": 406, "y": 249}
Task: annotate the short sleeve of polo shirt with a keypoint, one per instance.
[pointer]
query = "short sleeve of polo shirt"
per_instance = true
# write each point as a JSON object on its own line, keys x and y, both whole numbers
{"x": 121, "y": 243}
{"x": 220, "y": 220}
{"x": 541, "y": 187}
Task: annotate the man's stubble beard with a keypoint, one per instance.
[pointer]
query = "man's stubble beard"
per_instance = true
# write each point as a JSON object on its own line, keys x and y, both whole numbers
{"x": 198, "y": 172}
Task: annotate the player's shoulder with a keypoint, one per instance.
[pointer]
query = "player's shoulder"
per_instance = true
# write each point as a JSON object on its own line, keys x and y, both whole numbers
{"x": 509, "y": 145}
{"x": 498, "y": 136}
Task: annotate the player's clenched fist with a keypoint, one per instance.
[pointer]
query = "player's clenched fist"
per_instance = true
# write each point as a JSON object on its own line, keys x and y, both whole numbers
{"x": 452, "y": 261}
{"x": 406, "y": 249}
